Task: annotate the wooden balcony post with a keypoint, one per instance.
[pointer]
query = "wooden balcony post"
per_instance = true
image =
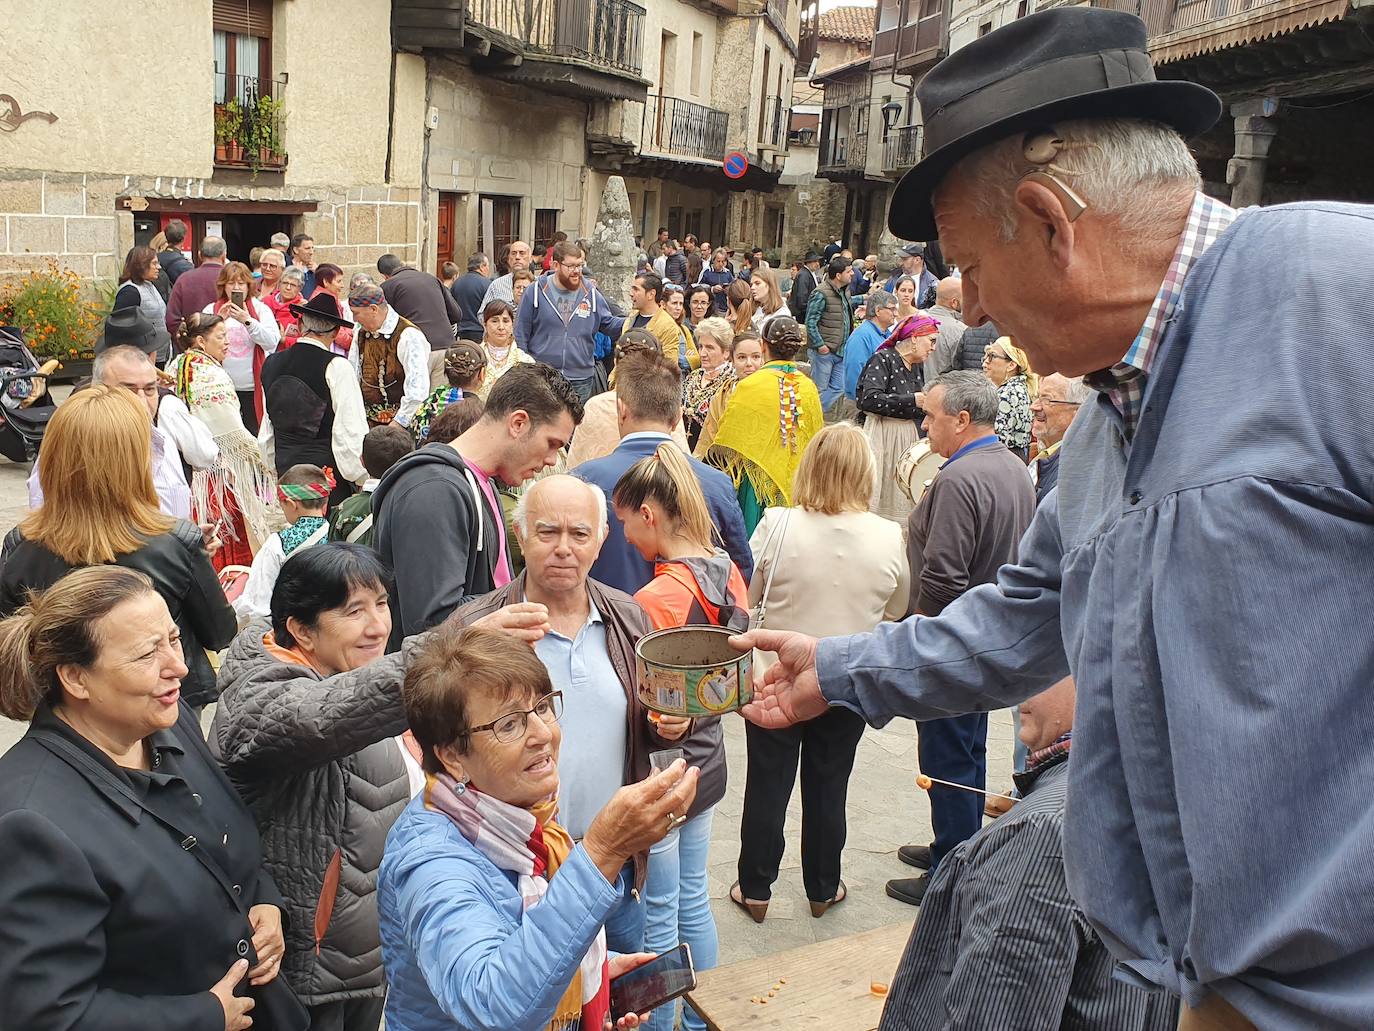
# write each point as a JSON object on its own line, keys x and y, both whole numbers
{"x": 1256, "y": 128}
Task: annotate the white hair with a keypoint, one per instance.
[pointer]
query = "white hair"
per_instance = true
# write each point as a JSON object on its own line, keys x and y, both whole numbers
{"x": 519, "y": 519}
{"x": 1119, "y": 166}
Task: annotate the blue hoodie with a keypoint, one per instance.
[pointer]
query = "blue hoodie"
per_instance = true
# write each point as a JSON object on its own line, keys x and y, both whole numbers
{"x": 569, "y": 347}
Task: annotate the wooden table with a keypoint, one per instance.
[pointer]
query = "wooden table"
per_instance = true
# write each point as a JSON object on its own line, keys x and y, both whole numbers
{"x": 827, "y": 985}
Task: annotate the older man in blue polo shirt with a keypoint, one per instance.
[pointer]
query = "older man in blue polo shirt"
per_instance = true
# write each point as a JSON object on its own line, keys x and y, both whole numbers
{"x": 1201, "y": 567}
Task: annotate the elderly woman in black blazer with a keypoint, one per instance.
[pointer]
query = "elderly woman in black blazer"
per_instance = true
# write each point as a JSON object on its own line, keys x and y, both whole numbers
{"x": 132, "y": 893}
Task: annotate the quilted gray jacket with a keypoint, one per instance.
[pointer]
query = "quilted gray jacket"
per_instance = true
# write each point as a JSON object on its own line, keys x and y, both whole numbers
{"x": 315, "y": 760}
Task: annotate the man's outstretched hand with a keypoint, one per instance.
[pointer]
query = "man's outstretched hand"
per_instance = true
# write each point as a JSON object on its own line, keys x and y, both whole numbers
{"x": 790, "y": 691}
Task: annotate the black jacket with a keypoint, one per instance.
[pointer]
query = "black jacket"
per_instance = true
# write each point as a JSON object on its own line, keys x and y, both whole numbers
{"x": 801, "y": 293}
{"x": 972, "y": 344}
{"x": 468, "y": 290}
{"x": 181, "y": 572}
{"x": 174, "y": 263}
{"x": 422, "y": 299}
{"x": 433, "y": 527}
{"x": 125, "y": 896}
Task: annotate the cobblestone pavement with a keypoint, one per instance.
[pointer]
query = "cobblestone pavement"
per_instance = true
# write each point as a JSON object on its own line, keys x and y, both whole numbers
{"x": 886, "y": 810}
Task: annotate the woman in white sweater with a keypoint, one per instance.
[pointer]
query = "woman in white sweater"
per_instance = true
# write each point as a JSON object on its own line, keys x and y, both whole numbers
{"x": 861, "y": 582}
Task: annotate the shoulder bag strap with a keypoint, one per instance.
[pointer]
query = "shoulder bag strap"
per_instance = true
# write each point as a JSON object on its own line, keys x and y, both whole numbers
{"x": 780, "y": 533}
{"x": 355, "y": 534}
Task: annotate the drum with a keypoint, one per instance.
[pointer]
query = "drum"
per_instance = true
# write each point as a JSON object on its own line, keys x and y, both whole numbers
{"x": 916, "y": 469}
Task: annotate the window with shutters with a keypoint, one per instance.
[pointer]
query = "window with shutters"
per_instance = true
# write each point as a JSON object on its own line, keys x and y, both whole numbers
{"x": 248, "y": 101}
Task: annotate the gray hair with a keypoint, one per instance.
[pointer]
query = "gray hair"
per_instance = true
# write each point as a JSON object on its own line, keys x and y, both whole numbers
{"x": 315, "y": 324}
{"x": 879, "y": 299}
{"x": 476, "y": 261}
{"x": 1117, "y": 165}
{"x": 296, "y": 275}
{"x": 968, "y": 391}
{"x": 281, "y": 242}
{"x": 360, "y": 279}
{"x": 1079, "y": 391}
{"x": 212, "y": 247}
{"x": 718, "y": 329}
{"x": 598, "y": 496}
{"x": 113, "y": 355}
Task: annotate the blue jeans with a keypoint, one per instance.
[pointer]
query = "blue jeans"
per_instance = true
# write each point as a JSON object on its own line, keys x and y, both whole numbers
{"x": 678, "y": 909}
{"x": 954, "y": 749}
{"x": 828, "y": 372}
{"x": 625, "y": 923}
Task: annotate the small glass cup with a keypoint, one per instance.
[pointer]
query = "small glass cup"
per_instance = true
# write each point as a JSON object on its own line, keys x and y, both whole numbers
{"x": 664, "y": 758}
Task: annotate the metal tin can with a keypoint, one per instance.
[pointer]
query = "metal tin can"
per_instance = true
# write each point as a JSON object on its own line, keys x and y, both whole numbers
{"x": 692, "y": 671}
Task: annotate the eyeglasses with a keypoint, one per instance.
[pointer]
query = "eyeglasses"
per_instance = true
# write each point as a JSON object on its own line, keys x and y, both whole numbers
{"x": 1056, "y": 401}
{"x": 512, "y": 726}
{"x": 990, "y": 355}
{"x": 572, "y": 268}
{"x": 672, "y": 288}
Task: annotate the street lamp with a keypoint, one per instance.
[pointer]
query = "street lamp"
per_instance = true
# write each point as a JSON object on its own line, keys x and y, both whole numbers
{"x": 891, "y": 112}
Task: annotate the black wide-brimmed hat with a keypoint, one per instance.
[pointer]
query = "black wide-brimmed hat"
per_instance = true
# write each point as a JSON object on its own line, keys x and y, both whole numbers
{"x": 129, "y": 326}
{"x": 1060, "y": 64}
{"x": 323, "y": 306}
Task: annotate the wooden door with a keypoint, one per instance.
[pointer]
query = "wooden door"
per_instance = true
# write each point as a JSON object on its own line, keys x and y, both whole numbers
{"x": 498, "y": 227}
{"x": 448, "y": 213}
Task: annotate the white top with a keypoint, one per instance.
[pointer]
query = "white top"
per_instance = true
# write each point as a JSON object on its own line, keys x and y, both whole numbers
{"x": 863, "y": 578}
{"x": 191, "y": 436}
{"x": 256, "y": 599}
{"x": 350, "y": 419}
{"x": 262, "y": 331}
{"x": 412, "y": 350}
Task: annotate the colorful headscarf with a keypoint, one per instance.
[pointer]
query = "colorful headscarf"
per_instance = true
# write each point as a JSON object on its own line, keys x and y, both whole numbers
{"x": 307, "y": 492}
{"x": 364, "y": 295}
{"x": 917, "y": 325}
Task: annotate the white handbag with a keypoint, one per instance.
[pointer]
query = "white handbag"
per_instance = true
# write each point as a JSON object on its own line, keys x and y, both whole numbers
{"x": 760, "y": 611}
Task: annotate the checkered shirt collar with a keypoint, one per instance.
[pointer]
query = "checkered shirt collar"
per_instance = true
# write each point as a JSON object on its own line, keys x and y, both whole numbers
{"x": 1124, "y": 382}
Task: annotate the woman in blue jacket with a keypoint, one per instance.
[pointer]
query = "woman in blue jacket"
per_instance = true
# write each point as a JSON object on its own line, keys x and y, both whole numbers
{"x": 491, "y": 917}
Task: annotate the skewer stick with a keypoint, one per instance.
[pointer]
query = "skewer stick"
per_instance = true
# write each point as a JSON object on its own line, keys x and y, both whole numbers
{"x": 924, "y": 782}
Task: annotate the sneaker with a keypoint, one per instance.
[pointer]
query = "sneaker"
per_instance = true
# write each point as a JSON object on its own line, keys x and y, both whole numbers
{"x": 915, "y": 855}
{"x": 910, "y": 890}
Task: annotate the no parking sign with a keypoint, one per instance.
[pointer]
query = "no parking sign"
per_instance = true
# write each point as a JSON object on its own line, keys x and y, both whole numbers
{"x": 735, "y": 164}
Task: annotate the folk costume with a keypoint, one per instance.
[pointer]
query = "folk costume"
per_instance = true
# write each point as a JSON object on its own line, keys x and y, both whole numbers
{"x": 392, "y": 363}
{"x": 889, "y": 414}
{"x": 305, "y": 532}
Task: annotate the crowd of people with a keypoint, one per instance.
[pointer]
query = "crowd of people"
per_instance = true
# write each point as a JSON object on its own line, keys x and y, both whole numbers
{"x": 405, "y": 532}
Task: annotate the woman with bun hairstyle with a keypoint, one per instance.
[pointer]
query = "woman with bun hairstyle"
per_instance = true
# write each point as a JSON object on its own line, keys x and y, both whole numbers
{"x": 236, "y": 493}
{"x": 465, "y": 368}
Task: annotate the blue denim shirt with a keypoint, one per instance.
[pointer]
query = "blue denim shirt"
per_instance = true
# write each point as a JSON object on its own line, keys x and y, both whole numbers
{"x": 1207, "y": 584}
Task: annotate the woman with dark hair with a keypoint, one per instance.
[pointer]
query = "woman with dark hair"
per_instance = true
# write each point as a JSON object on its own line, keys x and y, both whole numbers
{"x": 698, "y": 306}
{"x": 769, "y": 419}
{"x": 138, "y": 288}
{"x": 253, "y": 334}
{"x": 235, "y": 493}
{"x": 309, "y": 729}
{"x": 329, "y": 279}
{"x": 465, "y": 368}
{"x": 498, "y": 341}
{"x": 133, "y": 893}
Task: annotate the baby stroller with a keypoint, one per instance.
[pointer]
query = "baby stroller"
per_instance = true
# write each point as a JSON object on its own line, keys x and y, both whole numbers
{"x": 26, "y": 404}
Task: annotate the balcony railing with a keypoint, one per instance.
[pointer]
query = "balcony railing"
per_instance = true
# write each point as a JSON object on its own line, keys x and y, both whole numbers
{"x": 773, "y": 131}
{"x": 250, "y": 122}
{"x": 1164, "y": 16}
{"x": 678, "y": 128}
{"x": 844, "y": 153}
{"x": 901, "y": 148}
{"x": 601, "y": 32}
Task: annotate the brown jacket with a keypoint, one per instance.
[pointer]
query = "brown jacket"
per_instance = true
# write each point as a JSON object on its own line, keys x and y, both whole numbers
{"x": 625, "y": 625}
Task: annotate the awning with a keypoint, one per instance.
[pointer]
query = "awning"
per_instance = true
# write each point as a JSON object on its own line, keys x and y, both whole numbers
{"x": 1258, "y": 23}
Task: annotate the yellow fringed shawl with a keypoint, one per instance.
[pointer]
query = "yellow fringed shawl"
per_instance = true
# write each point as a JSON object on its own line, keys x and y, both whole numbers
{"x": 749, "y": 444}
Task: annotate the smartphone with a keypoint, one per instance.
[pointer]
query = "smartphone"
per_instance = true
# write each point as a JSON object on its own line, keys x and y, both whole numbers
{"x": 660, "y": 980}
{"x": 239, "y": 297}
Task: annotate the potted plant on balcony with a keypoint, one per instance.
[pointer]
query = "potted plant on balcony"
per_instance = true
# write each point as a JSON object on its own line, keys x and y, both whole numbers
{"x": 225, "y": 130}
{"x": 265, "y": 146}
{"x": 233, "y": 115}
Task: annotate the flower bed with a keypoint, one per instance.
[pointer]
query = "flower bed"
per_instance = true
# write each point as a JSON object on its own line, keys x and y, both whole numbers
{"x": 49, "y": 305}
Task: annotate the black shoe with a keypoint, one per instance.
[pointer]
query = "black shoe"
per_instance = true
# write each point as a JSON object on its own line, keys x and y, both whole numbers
{"x": 915, "y": 855}
{"x": 910, "y": 890}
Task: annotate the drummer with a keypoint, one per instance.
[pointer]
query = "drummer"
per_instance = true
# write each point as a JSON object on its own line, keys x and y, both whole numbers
{"x": 949, "y": 553}
{"x": 589, "y": 650}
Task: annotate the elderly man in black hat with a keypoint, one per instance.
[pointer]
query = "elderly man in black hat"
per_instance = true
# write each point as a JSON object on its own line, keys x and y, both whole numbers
{"x": 313, "y": 407}
{"x": 1201, "y": 566}
{"x": 804, "y": 285}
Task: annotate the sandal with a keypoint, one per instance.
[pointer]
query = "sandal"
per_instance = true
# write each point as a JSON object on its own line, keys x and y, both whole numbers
{"x": 818, "y": 908}
{"x": 757, "y": 910}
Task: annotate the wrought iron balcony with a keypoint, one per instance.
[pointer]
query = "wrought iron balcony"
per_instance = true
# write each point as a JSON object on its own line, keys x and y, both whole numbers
{"x": 901, "y": 149}
{"x": 678, "y": 128}
{"x": 250, "y": 122}
{"x": 843, "y": 155}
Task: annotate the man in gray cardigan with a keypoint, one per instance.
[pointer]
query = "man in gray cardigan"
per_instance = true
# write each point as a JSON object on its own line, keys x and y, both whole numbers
{"x": 966, "y": 527}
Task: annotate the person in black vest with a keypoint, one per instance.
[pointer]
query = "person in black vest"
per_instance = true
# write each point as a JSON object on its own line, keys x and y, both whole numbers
{"x": 312, "y": 405}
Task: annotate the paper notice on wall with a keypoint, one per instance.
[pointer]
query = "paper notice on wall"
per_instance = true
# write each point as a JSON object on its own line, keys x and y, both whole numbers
{"x": 214, "y": 228}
